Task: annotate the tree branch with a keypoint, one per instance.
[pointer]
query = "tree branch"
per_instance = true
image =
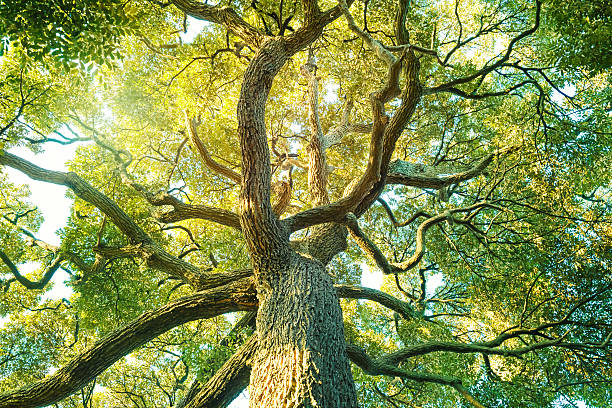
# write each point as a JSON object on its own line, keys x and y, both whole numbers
{"x": 183, "y": 211}
{"x": 204, "y": 155}
{"x": 229, "y": 381}
{"x": 368, "y": 246}
{"x": 487, "y": 69}
{"x": 317, "y": 166}
{"x": 47, "y": 275}
{"x": 152, "y": 252}
{"x": 359, "y": 292}
{"x": 423, "y": 176}
{"x": 223, "y": 15}
{"x": 236, "y": 296}
{"x": 419, "y": 250}
{"x": 381, "y": 367}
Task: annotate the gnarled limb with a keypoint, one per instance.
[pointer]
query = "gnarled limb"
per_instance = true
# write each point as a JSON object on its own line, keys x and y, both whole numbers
{"x": 192, "y": 126}
{"x": 232, "y": 297}
{"x": 229, "y": 380}
{"x": 381, "y": 367}
{"x": 152, "y": 252}
{"x": 222, "y": 15}
{"x": 262, "y": 230}
{"x": 384, "y": 135}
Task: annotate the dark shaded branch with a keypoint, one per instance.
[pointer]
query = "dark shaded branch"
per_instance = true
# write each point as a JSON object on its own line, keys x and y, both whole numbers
{"x": 239, "y": 295}
{"x": 419, "y": 250}
{"x": 484, "y": 95}
{"x": 367, "y": 246}
{"x": 229, "y": 380}
{"x": 223, "y": 15}
{"x": 47, "y": 275}
{"x": 394, "y": 220}
{"x": 487, "y": 69}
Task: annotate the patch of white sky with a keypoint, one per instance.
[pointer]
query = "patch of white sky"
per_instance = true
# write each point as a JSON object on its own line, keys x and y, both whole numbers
{"x": 194, "y": 27}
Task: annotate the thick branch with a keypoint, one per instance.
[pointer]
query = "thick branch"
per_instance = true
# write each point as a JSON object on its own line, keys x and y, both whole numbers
{"x": 223, "y": 15}
{"x": 381, "y": 367}
{"x": 263, "y": 232}
{"x": 47, "y": 275}
{"x": 359, "y": 292}
{"x": 317, "y": 166}
{"x": 205, "y": 156}
{"x": 83, "y": 368}
{"x": 229, "y": 380}
{"x": 423, "y": 176}
{"x": 152, "y": 252}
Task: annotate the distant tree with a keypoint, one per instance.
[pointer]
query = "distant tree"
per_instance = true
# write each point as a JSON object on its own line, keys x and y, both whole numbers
{"x": 463, "y": 149}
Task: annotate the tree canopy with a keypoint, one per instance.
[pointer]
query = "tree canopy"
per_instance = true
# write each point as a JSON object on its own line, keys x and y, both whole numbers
{"x": 232, "y": 190}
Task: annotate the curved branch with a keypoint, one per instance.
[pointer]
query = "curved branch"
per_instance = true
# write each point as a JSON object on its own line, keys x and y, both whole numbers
{"x": 262, "y": 230}
{"x": 152, "y": 252}
{"x": 236, "y": 296}
{"x": 204, "y": 155}
{"x": 225, "y": 16}
{"x": 419, "y": 250}
{"x": 229, "y": 381}
{"x": 394, "y": 220}
{"x": 47, "y": 275}
{"x": 381, "y": 367}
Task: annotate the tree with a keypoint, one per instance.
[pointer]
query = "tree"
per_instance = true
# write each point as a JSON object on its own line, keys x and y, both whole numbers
{"x": 463, "y": 159}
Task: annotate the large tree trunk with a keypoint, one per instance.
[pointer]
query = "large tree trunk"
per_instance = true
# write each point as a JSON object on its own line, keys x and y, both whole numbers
{"x": 301, "y": 359}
